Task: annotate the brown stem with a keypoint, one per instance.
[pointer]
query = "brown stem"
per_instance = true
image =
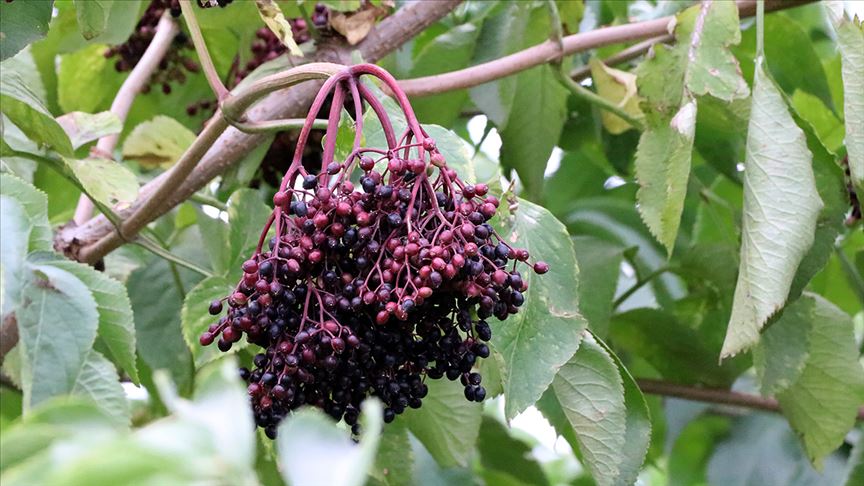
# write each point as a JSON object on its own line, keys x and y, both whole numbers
{"x": 8, "y": 335}
{"x": 550, "y": 51}
{"x": 713, "y": 395}
{"x": 166, "y": 30}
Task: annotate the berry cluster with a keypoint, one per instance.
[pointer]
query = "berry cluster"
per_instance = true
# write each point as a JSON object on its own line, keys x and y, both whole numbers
{"x": 174, "y": 65}
{"x": 368, "y": 290}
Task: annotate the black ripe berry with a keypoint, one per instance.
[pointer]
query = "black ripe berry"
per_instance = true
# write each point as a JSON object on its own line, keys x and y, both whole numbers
{"x": 371, "y": 290}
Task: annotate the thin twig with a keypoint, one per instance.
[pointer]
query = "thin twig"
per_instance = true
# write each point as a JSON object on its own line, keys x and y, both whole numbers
{"x": 166, "y": 30}
{"x": 203, "y": 54}
{"x": 597, "y": 100}
{"x": 209, "y": 201}
{"x": 549, "y": 51}
{"x": 713, "y": 395}
{"x": 632, "y": 52}
{"x": 157, "y": 249}
{"x": 276, "y": 125}
{"x": 639, "y": 284}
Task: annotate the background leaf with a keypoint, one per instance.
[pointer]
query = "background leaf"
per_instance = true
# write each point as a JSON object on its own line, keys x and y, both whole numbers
{"x": 313, "y": 451}
{"x": 446, "y": 424}
{"x": 195, "y": 317}
{"x": 819, "y": 394}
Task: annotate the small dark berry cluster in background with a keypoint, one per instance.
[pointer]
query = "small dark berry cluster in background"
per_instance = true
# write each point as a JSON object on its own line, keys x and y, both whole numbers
{"x": 267, "y": 47}
{"x": 854, "y": 201}
{"x": 214, "y": 3}
{"x": 370, "y": 289}
{"x": 176, "y": 63}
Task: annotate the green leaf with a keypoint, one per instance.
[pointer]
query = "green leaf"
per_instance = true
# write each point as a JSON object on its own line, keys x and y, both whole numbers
{"x": 663, "y": 167}
{"x": 711, "y": 68}
{"x": 599, "y": 267}
{"x": 850, "y": 39}
{"x": 501, "y": 34}
{"x": 810, "y": 361}
{"x": 855, "y": 473}
{"x": 158, "y": 142}
{"x": 700, "y": 64}
{"x": 116, "y": 323}
{"x": 638, "y": 425}
{"x": 53, "y": 350}
{"x": 156, "y": 304}
{"x": 828, "y": 128}
{"x": 682, "y": 355}
{"x": 16, "y": 227}
{"x": 87, "y": 80}
{"x": 571, "y": 13}
{"x": 689, "y": 455}
{"x": 246, "y": 216}
{"x": 831, "y": 184}
{"x": 781, "y": 205}
{"x": 24, "y": 224}
{"x": 214, "y": 236}
{"x": 196, "y": 318}
{"x": 22, "y": 23}
{"x": 98, "y": 381}
{"x": 27, "y": 112}
{"x": 83, "y": 128}
{"x": 450, "y": 51}
{"x": 446, "y": 424}
{"x": 106, "y": 181}
{"x": 313, "y": 451}
{"x": 802, "y": 71}
{"x": 342, "y": 5}
{"x": 504, "y": 454}
{"x": 457, "y": 152}
{"x": 24, "y": 65}
{"x": 56, "y": 420}
{"x": 721, "y": 134}
{"x": 535, "y": 124}
{"x": 92, "y": 16}
{"x": 546, "y": 332}
{"x": 591, "y": 392}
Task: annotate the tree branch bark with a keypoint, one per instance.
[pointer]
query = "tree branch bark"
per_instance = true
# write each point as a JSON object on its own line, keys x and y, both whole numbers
{"x": 551, "y": 50}
{"x": 713, "y": 395}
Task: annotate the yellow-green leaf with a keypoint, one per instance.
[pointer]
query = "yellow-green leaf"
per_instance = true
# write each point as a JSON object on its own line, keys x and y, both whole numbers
{"x": 618, "y": 87}
{"x": 158, "y": 142}
{"x": 109, "y": 182}
{"x": 276, "y": 21}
